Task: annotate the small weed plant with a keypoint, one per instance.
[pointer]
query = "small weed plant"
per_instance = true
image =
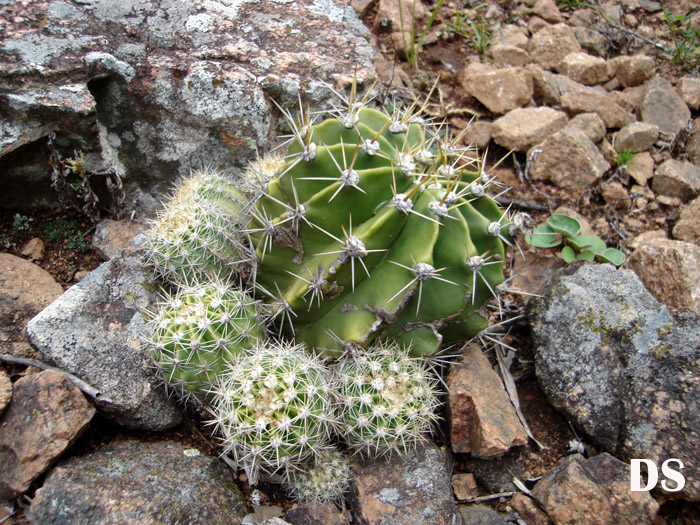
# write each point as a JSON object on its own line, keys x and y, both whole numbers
{"x": 686, "y": 40}
{"x": 412, "y": 45}
{"x": 624, "y": 157}
{"x": 565, "y": 231}
{"x": 21, "y": 223}
{"x": 66, "y": 232}
{"x": 477, "y": 31}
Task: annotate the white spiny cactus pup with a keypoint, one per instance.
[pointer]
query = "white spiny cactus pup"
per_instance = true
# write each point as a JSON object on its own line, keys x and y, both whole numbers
{"x": 388, "y": 399}
{"x": 273, "y": 408}
{"x": 198, "y": 233}
{"x": 195, "y": 332}
{"x": 324, "y": 481}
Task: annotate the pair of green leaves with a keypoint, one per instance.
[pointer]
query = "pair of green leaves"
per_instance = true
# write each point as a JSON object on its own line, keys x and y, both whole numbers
{"x": 564, "y": 229}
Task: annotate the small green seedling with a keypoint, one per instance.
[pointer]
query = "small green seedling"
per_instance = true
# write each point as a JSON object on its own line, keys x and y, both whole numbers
{"x": 562, "y": 229}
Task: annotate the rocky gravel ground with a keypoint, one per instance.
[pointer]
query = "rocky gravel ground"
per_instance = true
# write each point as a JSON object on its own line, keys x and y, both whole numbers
{"x": 598, "y": 105}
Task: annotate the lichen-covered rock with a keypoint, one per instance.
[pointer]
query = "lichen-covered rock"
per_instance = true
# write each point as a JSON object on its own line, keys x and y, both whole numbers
{"x": 620, "y": 365}
{"x": 137, "y": 482}
{"x": 95, "y": 331}
{"x": 155, "y": 89}
{"x": 403, "y": 491}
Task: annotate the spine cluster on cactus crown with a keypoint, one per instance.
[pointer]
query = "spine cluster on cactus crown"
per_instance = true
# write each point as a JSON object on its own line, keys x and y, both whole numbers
{"x": 388, "y": 400}
{"x": 324, "y": 481}
{"x": 199, "y": 231}
{"x": 377, "y": 225}
{"x": 196, "y": 332}
{"x": 273, "y": 408}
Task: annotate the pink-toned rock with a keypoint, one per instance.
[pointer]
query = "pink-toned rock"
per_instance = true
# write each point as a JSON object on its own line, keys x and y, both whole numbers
{"x": 312, "y": 513}
{"x": 483, "y": 421}
{"x": 25, "y": 290}
{"x": 678, "y": 179}
{"x": 690, "y": 91}
{"x": 46, "y": 416}
{"x": 5, "y": 391}
{"x": 534, "y": 271}
{"x": 479, "y": 134}
{"x": 594, "y": 491}
{"x": 500, "y": 90}
{"x": 584, "y": 68}
{"x": 692, "y": 145}
{"x": 512, "y": 35}
{"x": 615, "y": 193}
{"x": 679, "y": 264}
{"x": 688, "y": 226}
{"x": 34, "y": 249}
{"x": 111, "y": 237}
{"x": 646, "y": 237}
{"x": 464, "y": 486}
{"x": 636, "y": 137}
{"x": 570, "y": 160}
{"x": 641, "y": 168}
{"x": 528, "y": 510}
{"x": 522, "y": 128}
{"x": 551, "y": 44}
{"x": 633, "y": 70}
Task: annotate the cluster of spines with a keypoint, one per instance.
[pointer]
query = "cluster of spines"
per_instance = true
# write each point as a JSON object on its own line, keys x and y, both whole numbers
{"x": 325, "y": 480}
{"x": 197, "y": 331}
{"x": 388, "y": 400}
{"x": 273, "y": 408}
{"x": 199, "y": 232}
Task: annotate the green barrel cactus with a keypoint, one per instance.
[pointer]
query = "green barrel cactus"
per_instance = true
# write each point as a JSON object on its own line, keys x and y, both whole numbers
{"x": 273, "y": 408}
{"x": 196, "y": 332}
{"x": 377, "y": 225}
{"x": 198, "y": 232}
{"x": 388, "y": 400}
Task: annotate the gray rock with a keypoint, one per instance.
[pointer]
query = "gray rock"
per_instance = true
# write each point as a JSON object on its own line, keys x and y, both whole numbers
{"x": 480, "y": 514}
{"x": 136, "y": 482}
{"x": 664, "y": 108}
{"x": 675, "y": 178}
{"x": 94, "y": 331}
{"x": 155, "y": 89}
{"x": 568, "y": 159}
{"x": 313, "y": 513}
{"x": 595, "y": 491}
{"x": 620, "y": 365}
{"x": 581, "y": 99}
{"x": 522, "y": 128}
{"x": 505, "y": 55}
{"x": 46, "y": 416}
{"x": 403, "y": 491}
{"x": 689, "y": 88}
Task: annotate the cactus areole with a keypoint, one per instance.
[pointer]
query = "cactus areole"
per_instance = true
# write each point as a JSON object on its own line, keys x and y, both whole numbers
{"x": 377, "y": 225}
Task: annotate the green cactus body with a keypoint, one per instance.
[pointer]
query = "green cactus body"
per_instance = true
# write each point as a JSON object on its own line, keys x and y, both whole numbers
{"x": 388, "y": 400}
{"x": 197, "y": 233}
{"x": 373, "y": 230}
{"x": 198, "y": 331}
{"x": 273, "y": 408}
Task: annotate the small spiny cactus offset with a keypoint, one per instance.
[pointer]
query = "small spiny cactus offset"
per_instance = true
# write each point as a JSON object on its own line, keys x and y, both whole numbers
{"x": 377, "y": 224}
{"x": 273, "y": 408}
{"x": 388, "y": 400}
{"x": 196, "y": 332}
{"x": 198, "y": 233}
{"x": 324, "y": 481}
